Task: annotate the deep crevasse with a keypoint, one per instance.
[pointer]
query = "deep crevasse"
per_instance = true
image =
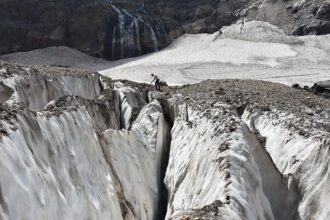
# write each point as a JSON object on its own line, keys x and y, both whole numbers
{"x": 60, "y": 163}
{"x": 58, "y": 167}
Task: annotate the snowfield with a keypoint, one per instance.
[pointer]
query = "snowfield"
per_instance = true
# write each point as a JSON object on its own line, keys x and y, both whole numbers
{"x": 261, "y": 51}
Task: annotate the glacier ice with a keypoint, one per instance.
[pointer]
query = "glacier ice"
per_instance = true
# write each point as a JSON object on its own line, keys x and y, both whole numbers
{"x": 130, "y": 101}
{"x": 70, "y": 160}
{"x": 208, "y": 164}
{"x": 82, "y": 146}
{"x": 304, "y": 159}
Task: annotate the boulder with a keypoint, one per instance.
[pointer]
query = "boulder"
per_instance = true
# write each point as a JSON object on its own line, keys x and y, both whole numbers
{"x": 321, "y": 88}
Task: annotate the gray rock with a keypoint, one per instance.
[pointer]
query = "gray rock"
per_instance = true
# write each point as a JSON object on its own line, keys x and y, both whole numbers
{"x": 94, "y": 27}
{"x": 324, "y": 11}
{"x": 5, "y": 92}
{"x": 322, "y": 88}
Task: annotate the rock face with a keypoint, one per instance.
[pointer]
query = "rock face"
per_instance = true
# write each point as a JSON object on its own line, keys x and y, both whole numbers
{"x": 196, "y": 16}
{"x": 34, "y": 24}
{"x": 230, "y": 149}
{"x": 299, "y": 17}
{"x": 125, "y": 28}
{"x": 97, "y": 27}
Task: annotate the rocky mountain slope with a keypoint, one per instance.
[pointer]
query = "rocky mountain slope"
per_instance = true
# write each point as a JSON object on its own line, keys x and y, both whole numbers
{"x": 125, "y": 28}
{"x": 79, "y": 145}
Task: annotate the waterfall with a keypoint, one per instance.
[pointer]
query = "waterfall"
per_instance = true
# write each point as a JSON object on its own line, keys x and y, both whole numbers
{"x": 136, "y": 23}
{"x": 133, "y": 36}
{"x": 153, "y": 37}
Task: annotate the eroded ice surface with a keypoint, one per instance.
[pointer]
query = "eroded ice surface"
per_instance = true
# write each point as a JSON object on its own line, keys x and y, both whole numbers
{"x": 70, "y": 160}
{"x": 209, "y": 165}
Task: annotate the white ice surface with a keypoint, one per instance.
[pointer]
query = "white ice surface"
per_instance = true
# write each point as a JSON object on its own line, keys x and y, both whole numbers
{"x": 261, "y": 52}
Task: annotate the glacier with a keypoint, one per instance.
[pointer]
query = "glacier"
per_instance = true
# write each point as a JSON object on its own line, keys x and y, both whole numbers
{"x": 68, "y": 158}
{"x": 76, "y": 144}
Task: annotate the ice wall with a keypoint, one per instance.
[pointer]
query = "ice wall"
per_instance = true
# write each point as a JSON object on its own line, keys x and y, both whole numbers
{"x": 36, "y": 90}
{"x": 146, "y": 124}
{"x": 153, "y": 130}
{"x": 102, "y": 112}
{"x": 303, "y": 156}
{"x": 134, "y": 167}
{"x": 54, "y": 168}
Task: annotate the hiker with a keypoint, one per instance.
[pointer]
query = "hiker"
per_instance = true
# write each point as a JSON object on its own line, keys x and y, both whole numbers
{"x": 157, "y": 82}
{"x": 242, "y": 25}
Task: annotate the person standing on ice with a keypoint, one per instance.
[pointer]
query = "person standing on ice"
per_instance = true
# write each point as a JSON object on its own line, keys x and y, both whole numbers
{"x": 157, "y": 81}
{"x": 242, "y": 25}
